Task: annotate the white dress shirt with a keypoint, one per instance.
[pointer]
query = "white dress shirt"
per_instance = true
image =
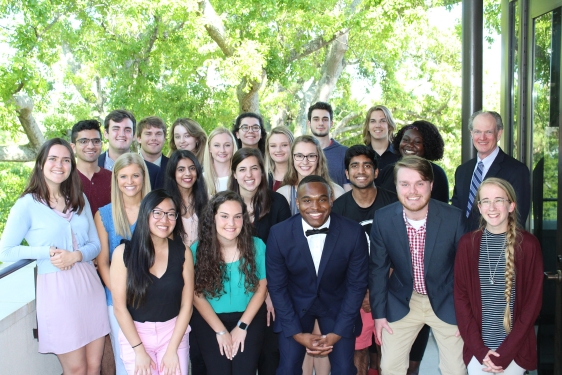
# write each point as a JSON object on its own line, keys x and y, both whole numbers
{"x": 315, "y": 242}
{"x": 487, "y": 161}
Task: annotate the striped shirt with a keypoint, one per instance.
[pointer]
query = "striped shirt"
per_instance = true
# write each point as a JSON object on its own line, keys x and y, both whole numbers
{"x": 491, "y": 268}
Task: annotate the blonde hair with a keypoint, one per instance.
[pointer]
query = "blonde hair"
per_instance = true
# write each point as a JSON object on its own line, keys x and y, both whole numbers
{"x": 269, "y": 163}
{"x": 193, "y": 129}
{"x": 118, "y": 213}
{"x": 511, "y": 240}
{"x": 292, "y": 177}
{"x": 389, "y": 120}
{"x": 209, "y": 172}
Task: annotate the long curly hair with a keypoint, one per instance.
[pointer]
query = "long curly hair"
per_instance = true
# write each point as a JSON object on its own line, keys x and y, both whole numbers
{"x": 512, "y": 240}
{"x": 433, "y": 144}
{"x": 210, "y": 265}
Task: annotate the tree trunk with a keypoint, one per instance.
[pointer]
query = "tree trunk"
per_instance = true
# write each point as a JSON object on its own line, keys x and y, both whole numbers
{"x": 248, "y": 94}
{"x": 28, "y": 152}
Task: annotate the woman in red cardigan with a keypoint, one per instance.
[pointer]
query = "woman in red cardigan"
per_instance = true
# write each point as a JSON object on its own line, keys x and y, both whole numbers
{"x": 498, "y": 287}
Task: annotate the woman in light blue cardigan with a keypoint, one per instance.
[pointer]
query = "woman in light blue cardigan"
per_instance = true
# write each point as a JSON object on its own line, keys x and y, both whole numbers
{"x": 55, "y": 219}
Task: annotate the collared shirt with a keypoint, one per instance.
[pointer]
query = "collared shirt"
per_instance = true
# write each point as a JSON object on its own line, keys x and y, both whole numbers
{"x": 158, "y": 161}
{"x": 109, "y": 163}
{"x": 416, "y": 238}
{"x": 487, "y": 161}
{"x": 98, "y": 189}
{"x": 315, "y": 242}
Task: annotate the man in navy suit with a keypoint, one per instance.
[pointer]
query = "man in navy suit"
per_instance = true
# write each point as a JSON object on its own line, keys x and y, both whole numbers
{"x": 119, "y": 130}
{"x": 317, "y": 270}
{"x": 151, "y": 137}
{"x": 417, "y": 238}
{"x": 486, "y": 128}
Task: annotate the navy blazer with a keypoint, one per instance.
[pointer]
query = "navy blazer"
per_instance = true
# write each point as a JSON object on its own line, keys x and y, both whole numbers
{"x": 342, "y": 274}
{"x": 390, "y": 248}
{"x": 504, "y": 166}
{"x": 153, "y": 170}
{"x": 162, "y": 174}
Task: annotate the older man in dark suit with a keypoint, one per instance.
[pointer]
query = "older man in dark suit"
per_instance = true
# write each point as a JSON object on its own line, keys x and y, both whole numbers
{"x": 417, "y": 238}
{"x": 316, "y": 270}
{"x": 486, "y": 128}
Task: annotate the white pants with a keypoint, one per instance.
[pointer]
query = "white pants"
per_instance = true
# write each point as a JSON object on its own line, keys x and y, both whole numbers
{"x": 114, "y": 336}
{"x": 475, "y": 368}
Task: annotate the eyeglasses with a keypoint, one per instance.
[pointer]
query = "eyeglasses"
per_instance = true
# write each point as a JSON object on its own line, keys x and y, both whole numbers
{"x": 86, "y": 141}
{"x": 158, "y": 214}
{"x": 498, "y": 202}
{"x": 310, "y": 157}
{"x": 253, "y": 128}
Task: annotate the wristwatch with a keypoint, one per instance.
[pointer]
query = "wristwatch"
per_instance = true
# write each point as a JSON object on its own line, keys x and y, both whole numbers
{"x": 242, "y": 325}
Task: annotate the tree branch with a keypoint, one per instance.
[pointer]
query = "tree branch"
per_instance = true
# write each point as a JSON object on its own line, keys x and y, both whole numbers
{"x": 314, "y": 45}
{"x": 215, "y": 27}
{"x": 28, "y": 152}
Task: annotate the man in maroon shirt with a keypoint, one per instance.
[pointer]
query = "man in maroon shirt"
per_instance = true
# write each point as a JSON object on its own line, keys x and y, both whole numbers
{"x": 96, "y": 181}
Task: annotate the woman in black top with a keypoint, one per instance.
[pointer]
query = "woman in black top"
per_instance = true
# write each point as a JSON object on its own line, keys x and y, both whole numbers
{"x": 420, "y": 138}
{"x": 266, "y": 208}
{"x": 152, "y": 287}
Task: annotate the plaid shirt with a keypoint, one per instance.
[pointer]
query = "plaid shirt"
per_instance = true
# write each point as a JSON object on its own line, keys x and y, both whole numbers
{"x": 416, "y": 237}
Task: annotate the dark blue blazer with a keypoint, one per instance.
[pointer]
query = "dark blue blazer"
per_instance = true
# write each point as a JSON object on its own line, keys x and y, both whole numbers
{"x": 153, "y": 170}
{"x": 390, "y": 248}
{"x": 342, "y": 275}
{"x": 162, "y": 174}
{"x": 504, "y": 166}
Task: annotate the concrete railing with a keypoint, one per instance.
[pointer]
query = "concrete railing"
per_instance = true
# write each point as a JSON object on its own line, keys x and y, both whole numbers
{"x": 18, "y": 347}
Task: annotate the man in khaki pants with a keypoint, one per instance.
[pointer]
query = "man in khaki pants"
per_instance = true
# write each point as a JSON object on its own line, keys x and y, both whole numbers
{"x": 417, "y": 238}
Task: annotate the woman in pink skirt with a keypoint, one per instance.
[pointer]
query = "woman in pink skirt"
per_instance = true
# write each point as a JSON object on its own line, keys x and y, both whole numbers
{"x": 55, "y": 219}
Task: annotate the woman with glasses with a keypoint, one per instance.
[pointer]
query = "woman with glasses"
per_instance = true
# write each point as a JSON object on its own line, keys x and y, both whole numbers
{"x": 188, "y": 135}
{"x": 249, "y": 131}
{"x": 229, "y": 318}
{"x": 117, "y": 221}
{"x": 220, "y": 147}
{"x": 152, "y": 287}
{"x": 54, "y": 217}
{"x": 277, "y": 153}
{"x": 498, "y": 286}
{"x": 307, "y": 158}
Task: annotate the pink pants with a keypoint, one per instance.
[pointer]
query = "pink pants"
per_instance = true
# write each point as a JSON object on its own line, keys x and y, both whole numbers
{"x": 155, "y": 337}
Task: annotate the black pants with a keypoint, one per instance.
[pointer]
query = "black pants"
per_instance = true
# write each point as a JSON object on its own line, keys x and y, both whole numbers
{"x": 269, "y": 356}
{"x": 244, "y": 363}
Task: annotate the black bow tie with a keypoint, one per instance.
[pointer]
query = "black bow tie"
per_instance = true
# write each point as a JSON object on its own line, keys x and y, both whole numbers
{"x": 312, "y": 232}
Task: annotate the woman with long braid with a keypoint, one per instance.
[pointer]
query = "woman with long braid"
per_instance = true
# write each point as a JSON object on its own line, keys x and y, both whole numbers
{"x": 498, "y": 286}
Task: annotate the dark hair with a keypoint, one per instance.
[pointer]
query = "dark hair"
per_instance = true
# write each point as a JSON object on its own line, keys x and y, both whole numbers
{"x": 357, "y": 150}
{"x": 70, "y": 189}
{"x": 497, "y": 118}
{"x": 119, "y": 115}
{"x": 236, "y": 129}
{"x": 199, "y": 189}
{"x": 84, "y": 125}
{"x": 418, "y": 164}
{"x": 433, "y": 144}
{"x": 151, "y": 122}
{"x": 210, "y": 267}
{"x": 262, "y": 198}
{"x": 315, "y": 178}
{"x": 321, "y": 105}
{"x": 140, "y": 255}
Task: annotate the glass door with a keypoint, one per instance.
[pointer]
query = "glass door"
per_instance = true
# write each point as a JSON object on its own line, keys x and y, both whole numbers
{"x": 546, "y": 32}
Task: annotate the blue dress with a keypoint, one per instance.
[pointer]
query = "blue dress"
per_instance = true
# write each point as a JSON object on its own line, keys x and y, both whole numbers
{"x": 106, "y": 215}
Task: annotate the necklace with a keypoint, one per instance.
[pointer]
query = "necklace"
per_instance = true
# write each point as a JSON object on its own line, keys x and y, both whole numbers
{"x": 493, "y": 275}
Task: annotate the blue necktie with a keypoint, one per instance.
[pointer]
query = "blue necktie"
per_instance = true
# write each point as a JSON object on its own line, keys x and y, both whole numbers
{"x": 474, "y": 184}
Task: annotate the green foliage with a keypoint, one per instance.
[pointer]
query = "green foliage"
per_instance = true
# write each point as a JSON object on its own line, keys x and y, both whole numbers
{"x": 14, "y": 178}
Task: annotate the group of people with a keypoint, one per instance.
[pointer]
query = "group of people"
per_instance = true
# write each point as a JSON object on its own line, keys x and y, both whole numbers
{"x": 247, "y": 252}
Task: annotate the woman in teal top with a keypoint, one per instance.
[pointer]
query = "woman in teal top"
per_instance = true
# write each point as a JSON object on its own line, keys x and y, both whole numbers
{"x": 229, "y": 318}
{"x": 117, "y": 221}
